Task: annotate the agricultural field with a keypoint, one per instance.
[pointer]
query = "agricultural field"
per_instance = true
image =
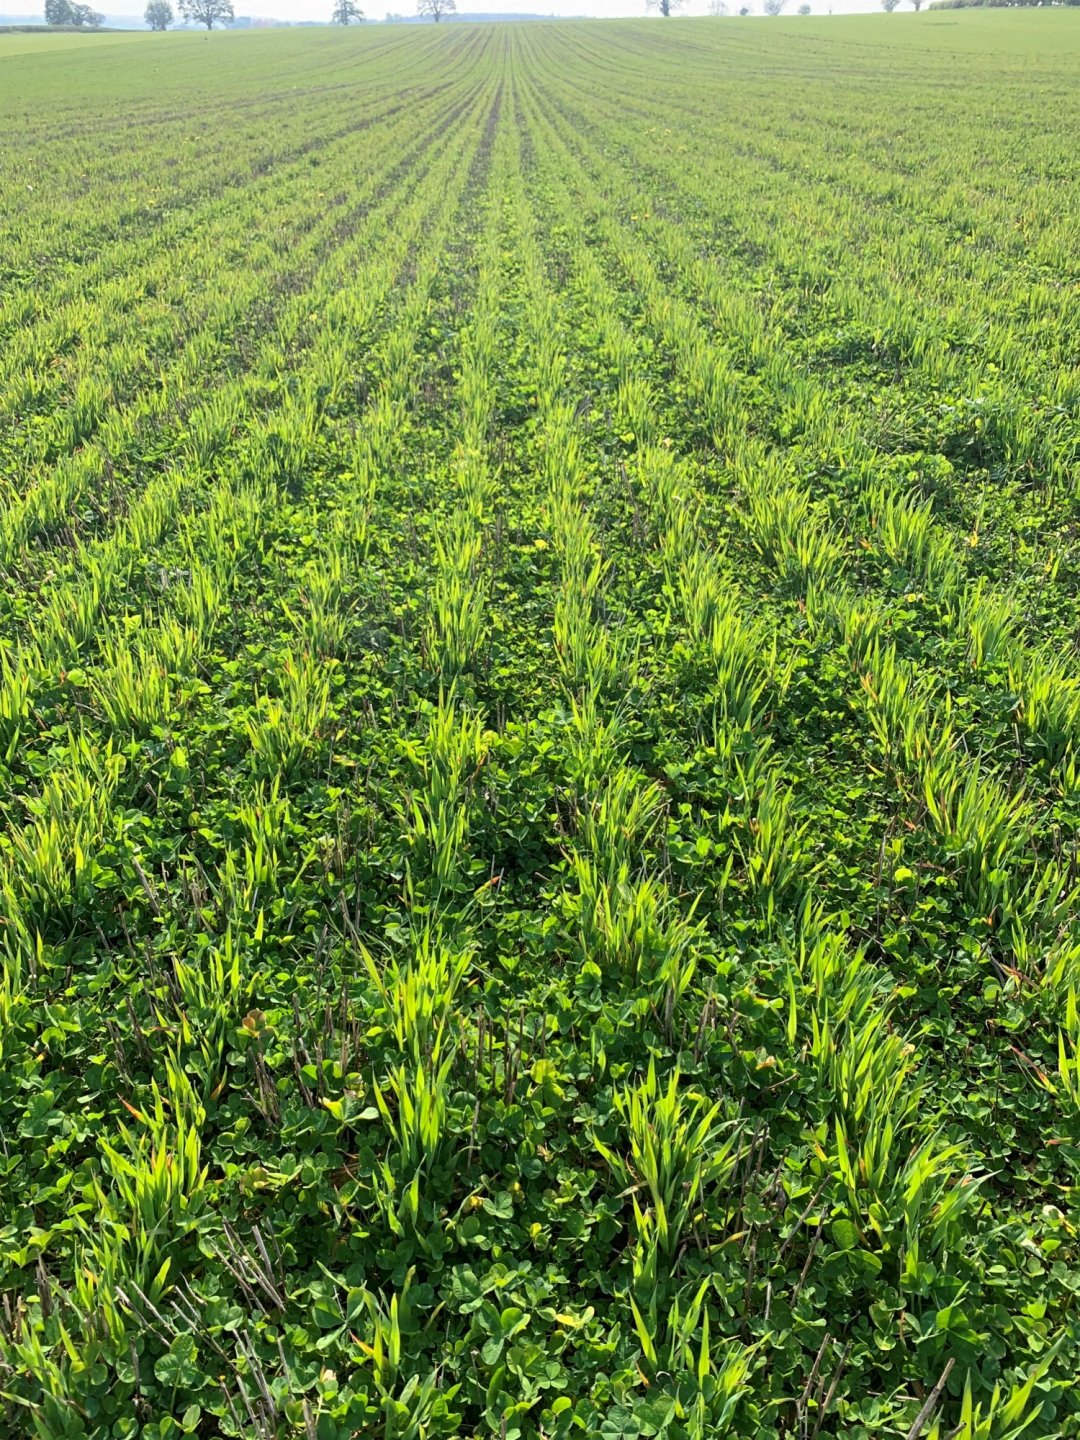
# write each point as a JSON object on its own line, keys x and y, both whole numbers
{"x": 540, "y": 731}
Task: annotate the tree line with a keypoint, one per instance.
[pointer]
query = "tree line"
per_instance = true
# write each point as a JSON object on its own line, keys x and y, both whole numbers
{"x": 997, "y": 4}
{"x": 777, "y": 7}
{"x": 159, "y": 14}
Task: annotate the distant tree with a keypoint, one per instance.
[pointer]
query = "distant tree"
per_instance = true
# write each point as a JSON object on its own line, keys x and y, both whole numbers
{"x": 718, "y": 7}
{"x": 773, "y": 7}
{"x": 436, "y": 9}
{"x": 158, "y": 14}
{"x": 889, "y": 6}
{"x": 917, "y": 4}
{"x": 63, "y": 12}
{"x": 805, "y": 10}
{"x": 345, "y": 12}
{"x": 665, "y": 7}
{"x": 207, "y": 12}
{"x": 746, "y": 10}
